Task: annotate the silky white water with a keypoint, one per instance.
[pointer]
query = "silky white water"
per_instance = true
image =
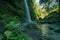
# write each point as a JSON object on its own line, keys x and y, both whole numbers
{"x": 27, "y": 11}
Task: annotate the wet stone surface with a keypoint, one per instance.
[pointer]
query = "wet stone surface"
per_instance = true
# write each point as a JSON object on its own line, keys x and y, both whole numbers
{"x": 34, "y": 32}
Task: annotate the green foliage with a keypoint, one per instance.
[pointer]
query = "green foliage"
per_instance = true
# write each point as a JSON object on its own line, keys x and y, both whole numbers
{"x": 54, "y": 16}
{"x": 13, "y": 33}
{"x": 1, "y": 37}
{"x": 13, "y": 10}
{"x": 23, "y": 36}
{"x": 12, "y": 25}
{"x": 8, "y": 33}
{"x": 5, "y": 16}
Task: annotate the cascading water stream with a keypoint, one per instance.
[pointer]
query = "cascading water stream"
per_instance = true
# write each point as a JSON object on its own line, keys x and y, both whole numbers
{"x": 27, "y": 11}
{"x": 28, "y": 16}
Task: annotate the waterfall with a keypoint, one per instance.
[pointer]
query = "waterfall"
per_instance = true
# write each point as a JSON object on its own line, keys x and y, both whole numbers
{"x": 27, "y": 11}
